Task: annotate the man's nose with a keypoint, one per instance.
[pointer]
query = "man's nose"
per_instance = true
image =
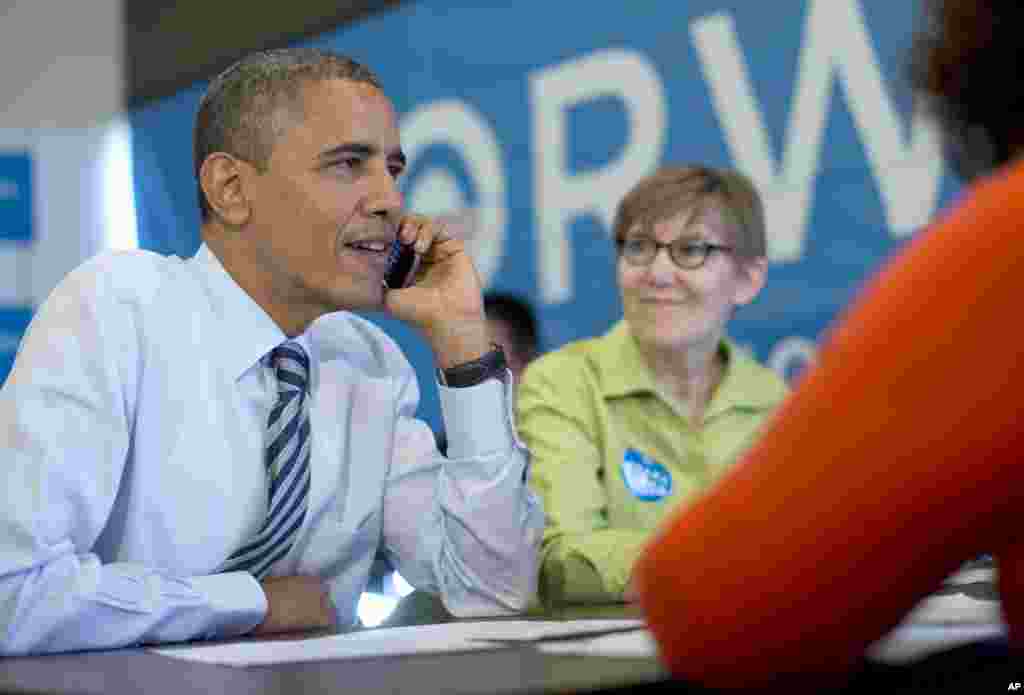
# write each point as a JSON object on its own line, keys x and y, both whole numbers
{"x": 384, "y": 199}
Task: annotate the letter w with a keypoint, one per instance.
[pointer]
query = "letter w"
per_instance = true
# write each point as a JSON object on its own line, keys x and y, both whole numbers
{"x": 836, "y": 43}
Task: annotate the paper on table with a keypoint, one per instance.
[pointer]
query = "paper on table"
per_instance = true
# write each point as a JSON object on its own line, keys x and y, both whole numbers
{"x": 369, "y": 643}
{"x": 421, "y": 639}
{"x": 638, "y": 644}
{"x": 966, "y": 609}
{"x": 905, "y": 644}
{"x": 541, "y": 630}
{"x": 908, "y": 642}
{"x": 913, "y": 641}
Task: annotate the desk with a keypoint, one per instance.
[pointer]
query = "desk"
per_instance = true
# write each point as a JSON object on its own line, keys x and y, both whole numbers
{"x": 514, "y": 669}
{"x": 511, "y": 670}
{"x": 508, "y": 670}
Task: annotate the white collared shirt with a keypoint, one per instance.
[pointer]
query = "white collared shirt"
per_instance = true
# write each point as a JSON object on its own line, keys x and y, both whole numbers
{"x": 133, "y": 427}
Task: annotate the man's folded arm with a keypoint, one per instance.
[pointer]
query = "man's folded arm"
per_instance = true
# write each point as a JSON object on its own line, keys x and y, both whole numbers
{"x": 72, "y": 602}
{"x": 65, "y": 416}
{"x": 465, "y": 527}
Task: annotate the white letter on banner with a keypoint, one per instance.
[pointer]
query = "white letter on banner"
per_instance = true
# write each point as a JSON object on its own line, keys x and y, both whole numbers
{"x": 457, "y": 125}
{"x": 836, "y": 42}
{"x": 559, "y": 195}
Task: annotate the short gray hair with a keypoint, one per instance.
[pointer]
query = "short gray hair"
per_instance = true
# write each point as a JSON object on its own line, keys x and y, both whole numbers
{"x": 249, "y": 105}
{"x": 671, "y": 190}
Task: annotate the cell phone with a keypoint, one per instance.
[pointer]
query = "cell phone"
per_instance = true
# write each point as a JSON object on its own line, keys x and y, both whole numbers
{"x": 402, "y": 264}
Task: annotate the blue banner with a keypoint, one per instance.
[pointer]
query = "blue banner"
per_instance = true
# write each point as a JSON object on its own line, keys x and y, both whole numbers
{"x": 526, "y": 124}
{"x": 15, "y": 197}
{"x": 16, "y": 234}
{"x": 13, "y": 322}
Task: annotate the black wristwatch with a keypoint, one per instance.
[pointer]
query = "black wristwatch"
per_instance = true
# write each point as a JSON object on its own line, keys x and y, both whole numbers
{"x": 491, "y": 365}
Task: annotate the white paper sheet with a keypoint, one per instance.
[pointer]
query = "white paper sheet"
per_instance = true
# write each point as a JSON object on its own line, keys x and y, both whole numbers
{"x": 956, "y": 609}
{"x": 638, "y": 644}
{"x": 943, "y": 621}
{"x": 422, "y": 639}
{"x": 540, "y": 630}
{"x": 910, "y": 641}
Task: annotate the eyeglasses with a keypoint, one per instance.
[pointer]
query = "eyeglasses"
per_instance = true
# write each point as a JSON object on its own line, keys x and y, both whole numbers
{"x": 685, "y": 253}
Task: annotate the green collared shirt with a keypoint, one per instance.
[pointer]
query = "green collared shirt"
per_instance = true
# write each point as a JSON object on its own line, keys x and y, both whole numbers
{"x": 612, "y": 457}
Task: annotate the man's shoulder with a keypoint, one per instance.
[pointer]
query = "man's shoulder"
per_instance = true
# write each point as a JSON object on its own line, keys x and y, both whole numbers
{"x": 120, "y": 275}
{"x": 102, "y": 304}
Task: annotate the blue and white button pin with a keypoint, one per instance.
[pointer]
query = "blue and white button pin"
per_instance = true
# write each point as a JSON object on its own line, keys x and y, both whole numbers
{"x": 647, "y": 479}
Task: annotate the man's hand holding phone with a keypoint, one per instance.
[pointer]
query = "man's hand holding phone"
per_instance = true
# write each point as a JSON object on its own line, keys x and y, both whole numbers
{"x": 443, "y": 299}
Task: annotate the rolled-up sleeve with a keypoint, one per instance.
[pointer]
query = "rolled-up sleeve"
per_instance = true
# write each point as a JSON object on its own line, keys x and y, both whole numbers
{"x": 464, "y": 526}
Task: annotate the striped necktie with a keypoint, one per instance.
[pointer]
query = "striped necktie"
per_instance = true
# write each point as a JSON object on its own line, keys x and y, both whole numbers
{"x": 287, "y": 461}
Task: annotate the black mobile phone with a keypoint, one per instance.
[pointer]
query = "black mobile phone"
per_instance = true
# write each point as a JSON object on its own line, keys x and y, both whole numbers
{"x": 402, "y": 264}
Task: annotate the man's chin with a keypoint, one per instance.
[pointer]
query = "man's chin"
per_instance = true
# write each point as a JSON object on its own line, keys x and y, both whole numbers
{"x": 371, "y": 300}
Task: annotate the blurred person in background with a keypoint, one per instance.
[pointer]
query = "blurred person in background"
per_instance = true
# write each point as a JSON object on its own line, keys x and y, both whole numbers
{"x": 512, "y": 325}
{"x": 624, "y": 428}
{"x": 901, "y": 455}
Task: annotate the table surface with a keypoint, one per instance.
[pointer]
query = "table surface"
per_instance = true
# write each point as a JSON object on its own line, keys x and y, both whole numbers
{"x": 507, "y": 670}
{"x": 512, "y": 669}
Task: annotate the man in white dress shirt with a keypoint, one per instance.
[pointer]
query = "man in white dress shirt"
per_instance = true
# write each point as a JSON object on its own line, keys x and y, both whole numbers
{"x": 138, "y": 417}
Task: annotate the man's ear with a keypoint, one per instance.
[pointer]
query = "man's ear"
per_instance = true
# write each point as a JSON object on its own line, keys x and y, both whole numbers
{"x": 223, "y": 180}
{"x": 752, "y": 274}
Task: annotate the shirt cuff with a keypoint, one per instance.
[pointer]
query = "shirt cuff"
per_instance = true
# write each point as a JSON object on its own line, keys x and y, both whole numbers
{"x": 478, "y": 419}
{"x": 236, "y": 600}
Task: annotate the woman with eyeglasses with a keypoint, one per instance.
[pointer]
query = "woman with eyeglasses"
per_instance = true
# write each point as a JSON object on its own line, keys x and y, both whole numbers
{"x": 625, "y": 427}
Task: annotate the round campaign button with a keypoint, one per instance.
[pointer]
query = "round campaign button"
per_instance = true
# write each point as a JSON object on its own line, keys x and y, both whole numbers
{"x": 647, "y": 479}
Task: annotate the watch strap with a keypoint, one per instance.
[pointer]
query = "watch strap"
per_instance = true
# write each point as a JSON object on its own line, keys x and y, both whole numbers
{"x": 491, "y": 365}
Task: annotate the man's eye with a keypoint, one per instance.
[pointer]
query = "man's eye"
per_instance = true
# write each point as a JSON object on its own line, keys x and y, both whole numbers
{"x": 692, "y": 249}
{"x": 351, "y": 163}
{"x": 396, "y": 171}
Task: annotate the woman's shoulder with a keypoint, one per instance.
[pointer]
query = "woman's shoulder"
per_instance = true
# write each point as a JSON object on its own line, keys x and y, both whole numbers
{"x": 755, "y": 378}
{"x": 567, "y": 363}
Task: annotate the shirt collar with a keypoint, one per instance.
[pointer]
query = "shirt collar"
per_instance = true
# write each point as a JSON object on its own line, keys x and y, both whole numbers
{"x": 623, "y": 371}
{"x": 621, "y": 368}
{"x": 247, "y": 332}
{"x": 746, "y": 385}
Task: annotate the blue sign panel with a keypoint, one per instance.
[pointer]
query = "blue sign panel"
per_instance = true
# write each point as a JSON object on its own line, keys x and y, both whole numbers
{"x": 15, "y": 197}
{"x": 526, "y": 124}
{"x": 13, "y": 322}
{"x": 16, "y": 233}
